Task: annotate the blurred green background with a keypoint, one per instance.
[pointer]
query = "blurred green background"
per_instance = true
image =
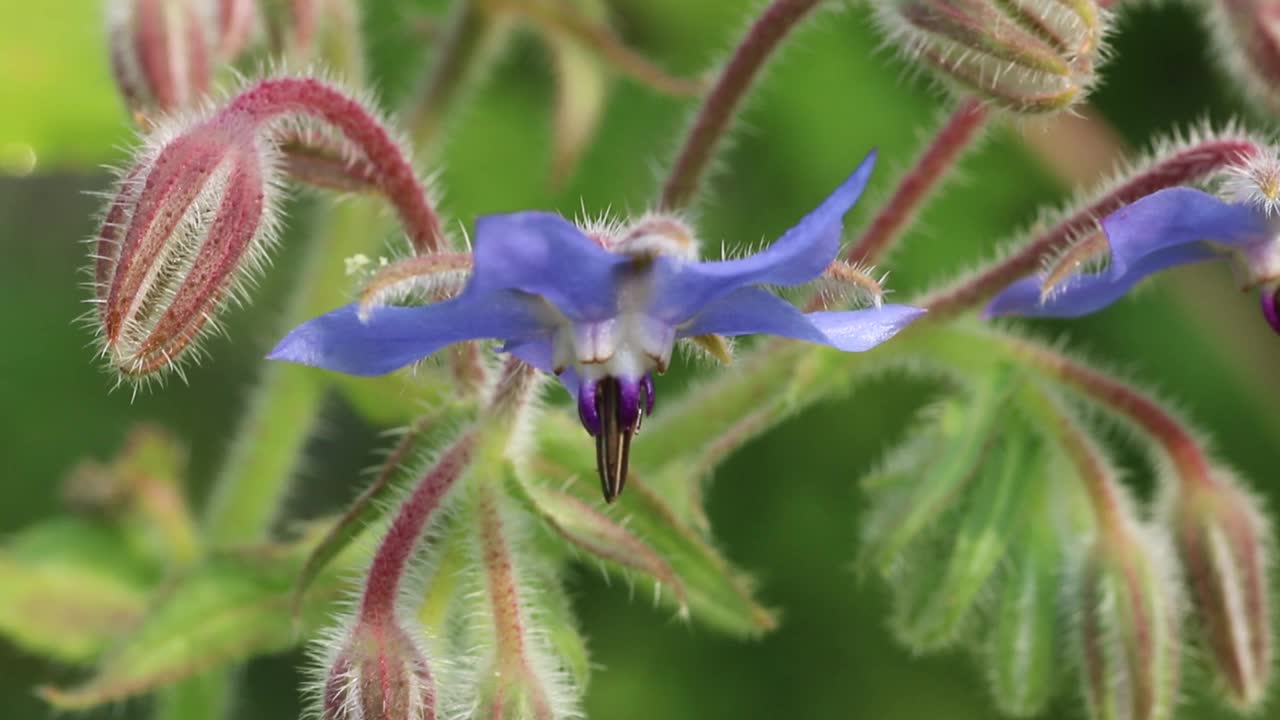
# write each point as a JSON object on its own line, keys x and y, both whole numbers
{"x": 787, "y": 506}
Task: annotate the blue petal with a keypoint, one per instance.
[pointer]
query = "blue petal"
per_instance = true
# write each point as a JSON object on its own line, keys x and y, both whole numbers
{"x": 544, "y": 254}
{"x": 397, "y": 336}
{"x": 1089, "y": 293}
{"x": 753, "y": 310}
{"x": 1170, "y": 227}
{"x": 681, "y": 289}
{"x": 537, "y": 352}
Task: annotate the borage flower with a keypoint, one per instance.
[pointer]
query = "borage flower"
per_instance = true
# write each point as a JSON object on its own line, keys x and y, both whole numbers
{"x": 604, "y": 310}
{"x": 1171, "y": 227}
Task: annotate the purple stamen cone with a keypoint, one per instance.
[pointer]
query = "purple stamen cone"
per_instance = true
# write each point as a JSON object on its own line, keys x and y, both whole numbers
{"x": 1271, "y": 307}
{"x": 646, "y": 386}
{"x": 588, "y": 411}
{"x": 629, "y": 402}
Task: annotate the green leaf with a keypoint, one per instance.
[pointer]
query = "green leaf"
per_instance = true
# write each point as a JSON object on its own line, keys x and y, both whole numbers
{"x": 228, "y": 609}
{"x": 931, "y": 482}
{"x": 1027, "y": 621}
{"x": 986, "y": 518}
{"x": 68, "y": 588}
{"x": 144, "y": 486}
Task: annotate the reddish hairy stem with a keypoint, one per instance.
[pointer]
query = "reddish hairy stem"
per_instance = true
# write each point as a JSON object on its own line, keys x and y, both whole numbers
{"x": 951, "y": 140}
{"x": 504, "y": 599}
{"x": 1184, "y": 450}
{"x": 270, "y": 99}
{"x": 382, "y": 587}
{"x": 712, "y": 120}
{"x": 1099, "y": 480}
{"x": 1186, "y": 165}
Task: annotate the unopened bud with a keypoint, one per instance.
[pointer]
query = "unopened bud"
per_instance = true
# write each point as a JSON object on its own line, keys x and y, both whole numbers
{"x": 1223, "y": 542}
{"x": 186, "y": 221}
{"x": 1248, "y": 39}
{"x": 1128, "y": 633}
{"x": 1027, "y": 56}
{"x": 380, "y": 673}
{"x": 236, "y": 23}
{"x": 160, "y": 54}
{"x": 325, "y": 31}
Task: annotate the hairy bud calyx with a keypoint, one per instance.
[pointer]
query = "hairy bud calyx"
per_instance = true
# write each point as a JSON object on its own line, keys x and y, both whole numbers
{"x": 1026, "y": 56}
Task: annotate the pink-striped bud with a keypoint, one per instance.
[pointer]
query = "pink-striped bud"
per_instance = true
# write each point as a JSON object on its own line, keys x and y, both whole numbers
{"x": 198, "y": 210}
{"x": 1027, "y": 56}
{"x": 237, "y": 21}
{"x": 324, "y": 31}
{"x": 1128, "y": 632}
{"x": 1248, "y": 39}
{"x": 1223, "y": 541}
{"x": 160, "y": 53}
{"x": 380, "y": 673}
{"x": 189, "y": 219}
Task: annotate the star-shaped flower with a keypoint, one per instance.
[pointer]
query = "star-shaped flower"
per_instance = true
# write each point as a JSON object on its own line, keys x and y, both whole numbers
{"x": 603, "y": 312}
{"x": 1170, "y": 227}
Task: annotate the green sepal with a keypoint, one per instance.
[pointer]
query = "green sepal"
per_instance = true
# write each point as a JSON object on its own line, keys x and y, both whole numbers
{"x": 717, "y": 594}
{"x": 590, "y": 527}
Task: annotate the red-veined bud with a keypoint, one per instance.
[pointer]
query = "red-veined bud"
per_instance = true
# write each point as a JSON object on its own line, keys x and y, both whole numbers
{"x": 380, "y": 672}
{"x": 198, "y": 209}
{"x": 1128, "y": 632}
{"x": 237, "y": 21}
{"x": 160, "y": 53}
{"x": 191, "y": 217}
{"x": 1027, "y": 56}
{"x": 1223, "y": 540}
{"x": 1248, "y": 35}
{"x": 328, "y": 31}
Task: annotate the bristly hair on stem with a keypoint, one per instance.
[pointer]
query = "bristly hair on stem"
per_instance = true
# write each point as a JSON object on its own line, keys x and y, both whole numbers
{"x": 721, "y": 104}
{"x": 1178, "y": 161}
{"x": 957, "y": 134}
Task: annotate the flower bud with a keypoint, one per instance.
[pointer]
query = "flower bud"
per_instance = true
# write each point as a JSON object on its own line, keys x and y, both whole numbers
{"x": 159, "y": 53}
{"x": 190, "y": 217}
{"x": 1248, "y": 39}
{"x": 1223, "y": 542}
{"x": 380, "y": 673}
{"x": 1027, "y": 56}
{"x": 1128, "y": 627}
{"x": 328, "y": 31}
{"x": 237, "y": 21}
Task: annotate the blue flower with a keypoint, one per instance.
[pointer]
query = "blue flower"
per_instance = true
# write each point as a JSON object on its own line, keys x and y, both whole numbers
{"x": 1167, "y": 228}
{"x": 604, "y": 313}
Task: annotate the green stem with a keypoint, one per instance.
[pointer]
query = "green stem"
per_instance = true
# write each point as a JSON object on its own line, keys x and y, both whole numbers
{"x": 286, "y": 405}
{"x": 206, "y": 696}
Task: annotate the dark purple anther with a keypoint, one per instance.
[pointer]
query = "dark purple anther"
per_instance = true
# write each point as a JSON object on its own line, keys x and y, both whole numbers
{"x": 612, "y": 410}
{"x": 1271, "y": 306}
{"x": 629, "y": 403}
{"x": 588, "y": 412}
{"x": 646, "y": 386}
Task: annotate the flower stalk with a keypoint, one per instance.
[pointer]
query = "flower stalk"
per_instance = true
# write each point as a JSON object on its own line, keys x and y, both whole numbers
{"x": 1187, "y": 164}
{"x": 957, "y": 134}
{"x": 721, "y": 104}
